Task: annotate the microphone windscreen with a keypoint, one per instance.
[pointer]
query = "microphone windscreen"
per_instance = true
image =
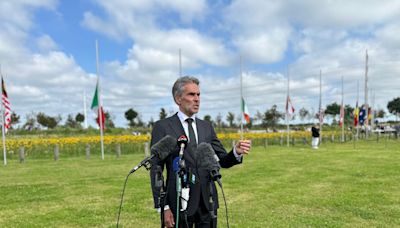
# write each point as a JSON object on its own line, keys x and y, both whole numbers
{"x": 164, "y": 147}
{"x": 205, "y": 154}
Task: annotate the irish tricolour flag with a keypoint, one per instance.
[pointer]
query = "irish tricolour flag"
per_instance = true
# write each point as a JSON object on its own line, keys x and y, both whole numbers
{"x": 245, "y": 111}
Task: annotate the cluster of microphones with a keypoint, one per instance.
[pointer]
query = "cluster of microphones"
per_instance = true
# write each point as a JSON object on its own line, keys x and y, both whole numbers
{"x": 205, "y": 155}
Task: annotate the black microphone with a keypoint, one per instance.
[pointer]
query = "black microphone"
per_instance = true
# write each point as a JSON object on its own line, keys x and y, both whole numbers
{"x": 209, "y": 161}
{"x": 161, "y": 149}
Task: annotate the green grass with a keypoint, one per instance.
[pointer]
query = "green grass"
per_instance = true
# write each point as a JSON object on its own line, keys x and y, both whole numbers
{"x": 339, "y": 185}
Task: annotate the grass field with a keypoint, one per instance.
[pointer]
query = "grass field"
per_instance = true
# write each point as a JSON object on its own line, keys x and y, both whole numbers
{"x": 339, "y": 185}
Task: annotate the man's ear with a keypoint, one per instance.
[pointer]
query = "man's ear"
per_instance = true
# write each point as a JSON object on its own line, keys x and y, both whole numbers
{"x": 177, "y": 100}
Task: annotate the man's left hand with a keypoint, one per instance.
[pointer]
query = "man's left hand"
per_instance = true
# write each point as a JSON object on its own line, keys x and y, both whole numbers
{"x": 243, "y": 147}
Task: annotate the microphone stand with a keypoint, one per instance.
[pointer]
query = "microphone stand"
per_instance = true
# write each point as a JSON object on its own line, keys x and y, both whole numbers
{"x": 159, "y": 185}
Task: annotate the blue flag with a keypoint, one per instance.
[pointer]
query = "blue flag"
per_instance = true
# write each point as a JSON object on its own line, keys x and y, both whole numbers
{"x": 361, "y": 116}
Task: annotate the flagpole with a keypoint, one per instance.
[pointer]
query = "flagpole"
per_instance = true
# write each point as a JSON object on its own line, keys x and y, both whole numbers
{"x": 358, "y": 96}
{"x": 342, "y": 113}
{"x": 180, "y": 63}
{"x": 287, "y": 107}
{"x": 3, "y": 123}
{"x": 366, "y": 92}
{"x": 84, "y": 109}
{"x": 320, "y": 107}
{"x": 99, "y": 111}
{"x": 241, "y": 99}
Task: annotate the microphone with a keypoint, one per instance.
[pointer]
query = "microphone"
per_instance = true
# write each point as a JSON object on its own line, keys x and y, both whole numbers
{"x": 161, "y": 149}
{"x": 209, "y": 161}
{"x": 182, "y": 143}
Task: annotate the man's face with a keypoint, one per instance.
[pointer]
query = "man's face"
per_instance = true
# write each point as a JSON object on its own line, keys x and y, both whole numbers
{"x": 189, "y": 102}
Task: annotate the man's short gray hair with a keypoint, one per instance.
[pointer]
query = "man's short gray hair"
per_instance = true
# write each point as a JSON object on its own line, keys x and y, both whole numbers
{"x": 177, "y": 89}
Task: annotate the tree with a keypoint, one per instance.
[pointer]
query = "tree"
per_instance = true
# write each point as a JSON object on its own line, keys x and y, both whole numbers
{"x": 348, "y": 115}
{"x": 14, "y": 119}
{"x": 163, "y": 114}
{"x": 394, "y": 106}
{"x": 79, "y": 118}
{"x": 230, "y": 118}
{"x": 380, "y": 113}
{"x": 30, "y": 123}
{"x": 218, "y": 120}
{"x": 208, "y": 119}
{"x": 109, "y": 123}
{"x": 303, "y": 112}
{"x": 130, "y": 115}
{"x": 71, "y": 122}
{"x": 272, "y": 116}
{"x": 47, "y": 121}
{"x": 332, "y": 110}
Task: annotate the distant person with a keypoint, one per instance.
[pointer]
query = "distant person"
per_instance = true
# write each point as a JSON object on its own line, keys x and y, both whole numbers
{"x": 315, "y": 136}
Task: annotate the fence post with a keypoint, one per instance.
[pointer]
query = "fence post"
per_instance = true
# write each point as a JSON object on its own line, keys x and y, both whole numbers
{"x": 281, "y": 141}
{"x": 118, "y": 150}
{"x": 87, "y": 150}
{"x": 304, "y": 140}
{"x": 56, "y": 152}
{"x": 21, "y": 154}
{"x": 146, "y": 149}
{"x": 265, "y": 144}
{"x": 293, "y": 140}
{"x": 332, "y": 138}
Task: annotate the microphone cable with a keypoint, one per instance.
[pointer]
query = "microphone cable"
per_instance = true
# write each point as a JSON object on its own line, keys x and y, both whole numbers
{"x": 122, "y": 198}
{"x": 226, "y": 207}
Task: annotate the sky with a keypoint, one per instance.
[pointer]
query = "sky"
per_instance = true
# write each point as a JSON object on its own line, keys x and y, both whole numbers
{"x": 48, "y": 55}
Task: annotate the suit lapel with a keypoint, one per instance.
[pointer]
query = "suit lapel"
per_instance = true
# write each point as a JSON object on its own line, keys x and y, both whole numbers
{"x": 200, "y": 130}
{"x": 176, "y": 126}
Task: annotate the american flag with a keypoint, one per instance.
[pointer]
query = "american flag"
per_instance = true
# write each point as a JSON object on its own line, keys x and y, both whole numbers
{"x": 6, "y": 105}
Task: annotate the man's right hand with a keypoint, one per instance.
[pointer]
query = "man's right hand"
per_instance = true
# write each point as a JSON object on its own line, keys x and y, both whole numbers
{"x": 169, "y": 219}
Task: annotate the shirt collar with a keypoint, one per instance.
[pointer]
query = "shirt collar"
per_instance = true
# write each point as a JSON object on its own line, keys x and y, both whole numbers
{"x": 182, "y": 116}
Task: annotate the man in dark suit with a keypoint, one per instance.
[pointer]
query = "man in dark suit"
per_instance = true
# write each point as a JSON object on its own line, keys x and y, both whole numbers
{"x": 186, "y": 94}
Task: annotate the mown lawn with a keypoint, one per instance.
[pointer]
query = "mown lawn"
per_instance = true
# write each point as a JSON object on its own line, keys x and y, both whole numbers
{"x": 339, "y": 185}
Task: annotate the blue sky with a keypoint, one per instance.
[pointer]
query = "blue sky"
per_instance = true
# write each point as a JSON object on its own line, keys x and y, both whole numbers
{"x": 47, "y": 53}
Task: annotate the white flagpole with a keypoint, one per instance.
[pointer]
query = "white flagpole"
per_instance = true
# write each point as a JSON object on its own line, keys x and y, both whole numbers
{"x": 366, "y": 94}
{"x": 241, "y": 99}
{"x": 3, "y": 124}
{"x": 180, "y": 63}
{"x": 320, "y": 106}
{"x": 342, "y": 112}
{"x": 358, "y": 119}
{"x": 84, "y": 109}
{"x": 287, "y": 107}
{"x": 99, "y": 111}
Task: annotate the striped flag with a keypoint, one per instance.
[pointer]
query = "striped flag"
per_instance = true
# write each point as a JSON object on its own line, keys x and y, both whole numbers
{"x": 356, "y": 113}
{"x": 6, "y": 105}
{"x": 289, "y": 107}
{"x": 96, "y": 107}
{"x": 341, "y": 119}
{"x": 245, "y": 111}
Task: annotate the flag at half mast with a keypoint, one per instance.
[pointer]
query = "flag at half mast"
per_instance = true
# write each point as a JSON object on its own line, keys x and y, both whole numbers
{"x": 96, "y": 107}
{"x": 289, "y": 107}
{"x": 6, "y": 105}
{"x": 245, "y": 111}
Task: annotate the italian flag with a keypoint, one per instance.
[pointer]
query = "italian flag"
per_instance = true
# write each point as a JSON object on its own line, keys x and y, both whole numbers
{"x": 245, "y": 111}
{"x": 96, "y": 107}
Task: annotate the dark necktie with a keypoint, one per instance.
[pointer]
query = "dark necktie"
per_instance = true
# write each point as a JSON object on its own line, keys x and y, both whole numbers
{"x": 192, "y": 136}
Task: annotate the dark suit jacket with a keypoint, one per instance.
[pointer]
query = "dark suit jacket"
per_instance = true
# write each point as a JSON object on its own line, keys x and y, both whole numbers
{"x": 173, "y": 127}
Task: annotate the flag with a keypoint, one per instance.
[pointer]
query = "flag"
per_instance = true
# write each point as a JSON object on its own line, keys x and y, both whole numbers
{"x": 6, "y": 105}
{"x": 361, "y": 116}
{"x": 97, "y": 108}
{"x": 356, "y": 113}
{"x": 245, "y": 111}
{"x": 289, "y": 107}
{"x": 321, "y": 116}
{"x": 341, "y": 119}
